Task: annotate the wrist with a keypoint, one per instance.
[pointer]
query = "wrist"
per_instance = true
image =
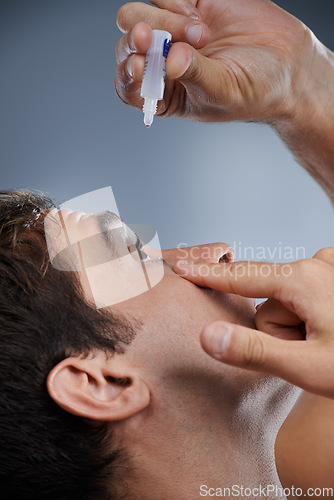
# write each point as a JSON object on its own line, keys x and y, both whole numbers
{"x": 307, "y": 125}
{"x": 310, "y": 103}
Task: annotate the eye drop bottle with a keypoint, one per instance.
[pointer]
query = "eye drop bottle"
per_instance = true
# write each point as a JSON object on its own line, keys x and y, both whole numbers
{"x": 153, "y": 86}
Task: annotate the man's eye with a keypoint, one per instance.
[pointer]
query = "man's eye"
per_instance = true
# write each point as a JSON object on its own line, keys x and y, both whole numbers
{"x": 136, "y": 250}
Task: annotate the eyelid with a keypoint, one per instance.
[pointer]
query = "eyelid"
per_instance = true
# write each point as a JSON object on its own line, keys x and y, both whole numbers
{"x": 130, "y": 235}
{"x": 139, "y": 242}
{"x": 131, "y": 238}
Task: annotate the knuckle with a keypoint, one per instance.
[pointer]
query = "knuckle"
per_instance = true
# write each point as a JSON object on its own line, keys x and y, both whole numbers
{"x": 124, "y": 47}
{"x": 194, "y": 72}
{"x": 261, "y": 320}
{"x": 265, "y": 316}
{"x": 326, "y": 255}
{"x": 118, "y": 90}
{"x": 164, "y": 4}
{"x": 118, "y": 51}
{"x": 123, "y": 86}
{"x": 253, "y": 354}
{"x": 122, "y": 17}
{"x": 306, "y": 269}
{"x": 173, "y": 104}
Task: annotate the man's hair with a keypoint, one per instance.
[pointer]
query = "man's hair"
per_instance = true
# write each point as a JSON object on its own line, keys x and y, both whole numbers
{"x": 45, "y": 452}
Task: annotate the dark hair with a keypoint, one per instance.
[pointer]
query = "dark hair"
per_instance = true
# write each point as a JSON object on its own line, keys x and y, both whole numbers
{"x": 45, "y": 452}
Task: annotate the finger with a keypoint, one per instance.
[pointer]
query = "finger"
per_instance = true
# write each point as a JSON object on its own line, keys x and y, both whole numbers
{"x": 217, "y": 252}
{"x": 295, "y": 361}
{"x": 137, "y": 41}
{"x": 325, "y": 255}
{"x": 190, "y": 67}
{"x": 275, "y": 319}
{"x": 184, "y": 63}
{"x": 184, "y": 7}
{"x": 250, "y": 279}
{"x": 259, "y": 279}
{"x": 128, "y": 80}
{"x": 182, "y": 28}
{"x": 292, "y": 284}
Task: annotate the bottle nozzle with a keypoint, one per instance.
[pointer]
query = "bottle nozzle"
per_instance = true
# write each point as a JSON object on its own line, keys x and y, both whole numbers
{"x": 149, "y": 109}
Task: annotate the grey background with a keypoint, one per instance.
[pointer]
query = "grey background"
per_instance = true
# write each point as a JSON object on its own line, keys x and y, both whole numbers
{"x": 64, "y": 132}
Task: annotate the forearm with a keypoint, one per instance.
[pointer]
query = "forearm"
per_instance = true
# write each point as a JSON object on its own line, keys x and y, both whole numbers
{"x": 309, "y": 129}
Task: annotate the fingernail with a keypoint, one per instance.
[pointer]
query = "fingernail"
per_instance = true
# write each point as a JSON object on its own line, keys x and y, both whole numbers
{"x": 226, "y": 258}
{"x": 129, "y": 68}
{"x": 194, "y": 34}
{"x": 220, "y": 340}
{"x": 131, "y": 43}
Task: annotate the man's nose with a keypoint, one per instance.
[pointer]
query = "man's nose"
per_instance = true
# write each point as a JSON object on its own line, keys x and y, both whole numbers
{"x": 211, "y": 252}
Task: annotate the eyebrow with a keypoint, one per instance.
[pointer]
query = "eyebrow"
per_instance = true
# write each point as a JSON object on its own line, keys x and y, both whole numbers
{"x": 107, "y": 221}
{"x": 107, "y": 218}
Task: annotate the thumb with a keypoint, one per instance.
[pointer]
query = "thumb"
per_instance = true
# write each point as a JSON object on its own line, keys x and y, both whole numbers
{"x": 188, "y": 65}
{"x": 295, "y": 361}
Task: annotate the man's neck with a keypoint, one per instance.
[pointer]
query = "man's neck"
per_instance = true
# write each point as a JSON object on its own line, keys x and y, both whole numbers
{"x": 251, "y": 434}
{"x": 200, "y": 450}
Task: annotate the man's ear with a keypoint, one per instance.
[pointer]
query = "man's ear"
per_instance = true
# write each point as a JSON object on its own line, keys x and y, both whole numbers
{"x": 98, "y": 388}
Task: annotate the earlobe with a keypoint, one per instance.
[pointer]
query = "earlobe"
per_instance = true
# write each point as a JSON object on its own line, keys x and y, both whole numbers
{"x": 97, "y": 388}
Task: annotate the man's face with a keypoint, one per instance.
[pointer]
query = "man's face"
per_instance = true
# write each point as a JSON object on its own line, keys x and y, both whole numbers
{"x": 172, "y": 313}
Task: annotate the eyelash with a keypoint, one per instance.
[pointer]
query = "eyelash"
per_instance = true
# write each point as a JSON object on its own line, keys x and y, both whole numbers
{"x": 138, "y": 246}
